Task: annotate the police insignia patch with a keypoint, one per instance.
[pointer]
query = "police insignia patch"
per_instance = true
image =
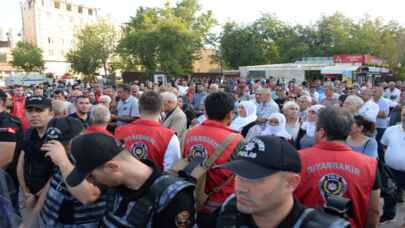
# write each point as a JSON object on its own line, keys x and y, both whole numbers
{"x": 198, "y": 151}
{"x": 183, "y": 219}
{"x": 332, "y": 184}
{"x": 139, "y": 151}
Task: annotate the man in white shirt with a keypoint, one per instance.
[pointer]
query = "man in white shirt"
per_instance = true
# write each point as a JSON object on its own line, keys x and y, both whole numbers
{"x": 392, "y": 93}
{"x": 369, "y": 109}
{"x": 382, "y": 117}
{"x": 394, "y": 140}
{"x": 127, "y": 108}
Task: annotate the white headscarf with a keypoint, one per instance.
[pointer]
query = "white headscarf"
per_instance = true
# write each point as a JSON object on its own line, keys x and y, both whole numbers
{"x": 239, "y": 122}
{"x": 308, "y": 126}
{"x": 279, "y": 130}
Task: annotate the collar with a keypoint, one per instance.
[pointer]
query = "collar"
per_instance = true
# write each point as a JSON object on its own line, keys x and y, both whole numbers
{"x": 332, "y": 146}
{"x": 94, "y": 128}
{"x": 131, "y": 194}
{"x": 288, "y": 221}
{"x": 216, "y": 124}
{"x": 170, "y": 113}
{"x": 152, "y": 123}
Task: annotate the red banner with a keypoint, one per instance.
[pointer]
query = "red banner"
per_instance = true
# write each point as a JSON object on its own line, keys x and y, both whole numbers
{"x": 363, "y": 59}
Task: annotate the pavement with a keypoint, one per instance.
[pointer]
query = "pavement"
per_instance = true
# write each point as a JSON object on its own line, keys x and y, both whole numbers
{"x": 399, "y": 219}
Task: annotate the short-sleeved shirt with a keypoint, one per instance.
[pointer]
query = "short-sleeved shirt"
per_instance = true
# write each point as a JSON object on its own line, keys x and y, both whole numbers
{"x": 394, "y": 139}
{"x": 129, "y": 107}
{"x": 369, "y": 110}
{"x": 384, "y": 106}
{"x": 370, "y": 148}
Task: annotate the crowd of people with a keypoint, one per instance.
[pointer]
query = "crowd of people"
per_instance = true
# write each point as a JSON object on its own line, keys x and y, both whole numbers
{"x": 202, "y": 153}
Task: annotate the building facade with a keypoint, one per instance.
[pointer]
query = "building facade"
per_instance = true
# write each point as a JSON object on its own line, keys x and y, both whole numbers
{"x": 51, "y": 26}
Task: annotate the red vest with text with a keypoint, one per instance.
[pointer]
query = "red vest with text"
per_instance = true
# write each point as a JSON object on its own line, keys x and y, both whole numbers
{"x": 19, "y": 111}
{"x": 334, "y": 169}
{"x": 202, "y": 141}
{"x": 145, "y": 139}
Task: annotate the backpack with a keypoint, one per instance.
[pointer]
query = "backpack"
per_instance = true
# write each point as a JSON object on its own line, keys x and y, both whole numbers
{"x": 195, "y": 170}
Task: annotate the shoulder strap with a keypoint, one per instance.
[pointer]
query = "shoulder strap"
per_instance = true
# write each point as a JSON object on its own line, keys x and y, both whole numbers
{"x": 219, "y": 150}
{"x": 365, "y": 145}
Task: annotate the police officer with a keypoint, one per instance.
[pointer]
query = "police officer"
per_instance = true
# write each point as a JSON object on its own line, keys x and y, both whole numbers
{"x": 147, "y": 138}
{"x": 34, "y": 170}
{"x": 82, "y": 206}
{"x": 143, "y": 196}
{"x": 267, "y": 173}
{"x": 202, "y": 141}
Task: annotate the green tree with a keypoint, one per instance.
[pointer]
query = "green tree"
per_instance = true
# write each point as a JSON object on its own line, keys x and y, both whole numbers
{"x": 165, "y": 39}
{"x": 243, "y": 46}
{"x": 27, "y": 57}
{"x": 95, "y": 46}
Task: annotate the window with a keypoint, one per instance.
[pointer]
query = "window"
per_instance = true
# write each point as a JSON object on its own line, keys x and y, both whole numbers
{"x": 50, "y": 52}
{"x": 56, "y": 4}
{"x": 90, "y": 12}
{"x": 49, "y": 40}
{"x": 3, "y": 58}
{"x": 69, "y": 7}
{"x": 80, "y": 9}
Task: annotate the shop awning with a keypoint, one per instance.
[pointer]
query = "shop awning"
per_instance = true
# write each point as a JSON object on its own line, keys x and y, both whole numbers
{"x": 339, "y": 69}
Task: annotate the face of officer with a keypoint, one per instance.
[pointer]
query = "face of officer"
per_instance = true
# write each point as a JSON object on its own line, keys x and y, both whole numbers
{"x": 38, "y": 117}
{"x": 83, "y": 105}
{"x": 262, "y": 196}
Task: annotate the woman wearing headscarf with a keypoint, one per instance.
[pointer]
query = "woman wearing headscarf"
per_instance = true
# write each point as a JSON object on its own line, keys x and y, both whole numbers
{"x": 277, "y": 126}
{"x": 290, "y": 110}
{"x": 306, "y": 136}
{"x": 246, "y": 118}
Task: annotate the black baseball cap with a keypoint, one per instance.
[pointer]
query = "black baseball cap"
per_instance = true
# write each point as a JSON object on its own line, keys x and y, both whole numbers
{"x": 38, "y": 102}
{"x": 263, "y": 156}
{"x": 63, "y": 129}
{"x": 90, "y": 151}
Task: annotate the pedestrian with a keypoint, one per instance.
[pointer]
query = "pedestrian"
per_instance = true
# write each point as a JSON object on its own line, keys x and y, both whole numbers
{"x": 100, "y": 116}
{"x": 82, "y": 105}
{"x": 127, "y": 107}
{"x": 174, "y": 118}
{"x": 394, "y": 144}
{"x": 142, "y": 197}
{"x": 267, "y": 173}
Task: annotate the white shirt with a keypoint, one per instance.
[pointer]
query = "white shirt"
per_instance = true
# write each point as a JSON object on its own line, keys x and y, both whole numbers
{"x": 369, "y": 110}
{"x": 172, "y": 153}
{"x": 182, "y": 90}
{"x": 129, "y": 107}
{"x": 394, "y": 139}
{"x": 392, "y": 95}
{"x": 384, "y": 106}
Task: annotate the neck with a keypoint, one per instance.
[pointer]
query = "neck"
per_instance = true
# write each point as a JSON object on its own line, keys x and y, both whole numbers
{"x": 135, "y": 178}
{"x": 274, "y": 217}
{"x": 356, "y": 136}
{"x": 292, "y": 119}
{"x": 41, "y": 131}
{"x": 337, "y": 141}
{"x": 82, "y": 115}
{"x": 100, "y": 125}
{"x": 150, "y": 117}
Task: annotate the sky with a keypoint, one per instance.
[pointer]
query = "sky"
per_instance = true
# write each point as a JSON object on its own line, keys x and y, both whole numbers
{"x": 242, "y": 11}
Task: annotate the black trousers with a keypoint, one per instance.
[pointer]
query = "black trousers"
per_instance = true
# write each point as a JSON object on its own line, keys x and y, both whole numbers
{"x": 390, "y": 203}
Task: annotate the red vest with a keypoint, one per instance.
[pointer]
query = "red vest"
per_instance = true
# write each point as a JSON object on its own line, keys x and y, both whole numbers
{"x": 202, "y": 140}
{"x": 145, "y": 139}
{"x": 19, "y": 111}
{"x": 331, "y": 168}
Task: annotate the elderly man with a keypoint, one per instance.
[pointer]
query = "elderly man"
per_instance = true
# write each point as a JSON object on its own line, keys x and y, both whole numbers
{"x": 304, "y": 102}
{"x": 369, "y": 109}
{"x": 175, "y": 118}
{"x": 59, "y": 108}
{"x": 100, "y": 116}
{"x": 392, "y": 93}
{"x": 265, "y": 104}
{"x": 127, "y": 106}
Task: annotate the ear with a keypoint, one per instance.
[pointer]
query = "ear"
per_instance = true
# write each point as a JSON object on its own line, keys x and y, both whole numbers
{"x": 293, "y": 180}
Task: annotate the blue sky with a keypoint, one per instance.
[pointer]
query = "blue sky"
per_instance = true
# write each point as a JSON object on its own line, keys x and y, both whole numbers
{"x": 244, "y": 11}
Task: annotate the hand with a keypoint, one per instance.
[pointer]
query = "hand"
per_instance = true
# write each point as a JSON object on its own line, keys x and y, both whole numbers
{"x": 56, "y": 152}
{"x": 30, "y": 200}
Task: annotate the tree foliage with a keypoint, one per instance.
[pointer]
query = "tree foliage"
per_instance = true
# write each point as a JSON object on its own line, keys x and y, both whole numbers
{"x": 269, "y": 40}
{"x": 165, "y": 39}
{"x": 95, "y": 45}
{"x": 27, "y": 57}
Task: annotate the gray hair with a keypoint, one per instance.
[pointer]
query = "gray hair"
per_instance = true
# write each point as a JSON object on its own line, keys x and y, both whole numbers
{"x": 169, "y": 96}
{"x": 105, "y": 98}
{"x": 355, "y": 100}
{"x": 290, "y": 103}
{"x": 58, "y": 107}
{"x": 100, "y": 115}
{"x": 306, "y": 98}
